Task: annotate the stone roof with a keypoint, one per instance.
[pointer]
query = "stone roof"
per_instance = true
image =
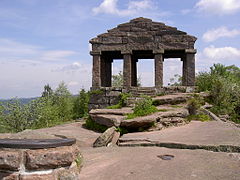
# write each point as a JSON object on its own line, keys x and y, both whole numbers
{"x": 143, "y": 34}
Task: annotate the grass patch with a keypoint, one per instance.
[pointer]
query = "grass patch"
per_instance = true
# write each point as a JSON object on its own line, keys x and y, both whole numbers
{"x": 116, "y": 106}
{"x": 199, "y": 117}
{"x": 90, "y": 124}
{"x": 98, "y": 91}
{"x": 176, "y": 106}
{"x": 143, "y": 107}
{"x": 78, "y": 161}
{"x": 163, "y": 110}
{"x": 161, "y": 94}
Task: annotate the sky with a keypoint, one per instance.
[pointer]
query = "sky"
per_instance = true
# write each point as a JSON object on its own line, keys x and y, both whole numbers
{"x": 47, "y": 41}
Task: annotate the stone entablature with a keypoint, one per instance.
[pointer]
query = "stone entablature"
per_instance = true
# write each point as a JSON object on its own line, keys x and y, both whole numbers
{"x": 141, "y": 38}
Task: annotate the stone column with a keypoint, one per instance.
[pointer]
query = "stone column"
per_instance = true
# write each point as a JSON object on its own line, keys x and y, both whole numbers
{"x": 103, "y": 71}
{"x": 96, "y": 76}
{"x": 108, "y": 65}
{"x": 189, "y": 67}
{"x": 127, "y": 68}
{"x": 158, "y": 58}
{"x": 184, "y": 71}
{"x": 134, "y": 72}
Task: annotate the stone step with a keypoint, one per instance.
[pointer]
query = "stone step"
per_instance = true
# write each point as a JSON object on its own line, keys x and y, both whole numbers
{"x": 171, "y": 99}
{"x": 122, "y": 111}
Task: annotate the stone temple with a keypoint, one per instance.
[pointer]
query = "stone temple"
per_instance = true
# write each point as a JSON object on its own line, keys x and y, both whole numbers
{"x": 141, "y": 38}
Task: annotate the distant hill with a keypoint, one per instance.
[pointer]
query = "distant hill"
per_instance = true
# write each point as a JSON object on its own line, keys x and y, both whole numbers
{"x": 22, "y": 100}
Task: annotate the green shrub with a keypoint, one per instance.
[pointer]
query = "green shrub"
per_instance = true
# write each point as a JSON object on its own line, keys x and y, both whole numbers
{"x": 90, "y": 124}
{"x": 199, "y": 117}
{"x": 194, "y": 104}
{"x": 142, "y": 108}
{"x": 98, "y": 91}
{"x": 116, "y": 106}
{"x": 223, "y": 84}
{"x": 122, "y": 130}
{"x": 176, "y": 106}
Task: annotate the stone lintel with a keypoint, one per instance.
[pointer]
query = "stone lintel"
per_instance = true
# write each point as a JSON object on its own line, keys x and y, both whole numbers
{"x": 190, "y": 51}
{"x": 126, "y": 52}
{"x": 158, "y": 51}
{"x": 95, "y": 53}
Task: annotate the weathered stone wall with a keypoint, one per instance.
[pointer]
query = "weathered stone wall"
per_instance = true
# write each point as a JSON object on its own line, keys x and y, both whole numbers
{"x": 42, "y": 164}
{"x": 104, "y": 97}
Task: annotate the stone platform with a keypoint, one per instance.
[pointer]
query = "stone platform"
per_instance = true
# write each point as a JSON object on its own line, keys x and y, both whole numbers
{"x": 135, "y": 163}
{"x": 212, "y": 135}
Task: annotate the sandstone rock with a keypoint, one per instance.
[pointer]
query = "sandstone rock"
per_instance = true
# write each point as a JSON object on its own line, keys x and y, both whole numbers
{"x": 139, "y": 122}
{"x": 68, "y": 174}
{"x": 50, "y": 158}
{"x": 9, "y": 160}
{"x": 171, "y": 121}
{"x": 171, "y": 99}
{"x": 105, "y": 138}
{"x": 122, "y": 111}
{"x": 38, "y": 177}
{"x": 115, "y": 138}
{"x": 9, "y": 176}
{"x": 179, "y": 112}
{"x": 107, "y": 120}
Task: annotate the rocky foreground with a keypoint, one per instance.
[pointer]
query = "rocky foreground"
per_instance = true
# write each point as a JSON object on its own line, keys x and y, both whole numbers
{"x": 196, "y": 150}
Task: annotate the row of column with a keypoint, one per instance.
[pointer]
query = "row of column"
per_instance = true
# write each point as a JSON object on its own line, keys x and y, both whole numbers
{"x": 102, "y": 70}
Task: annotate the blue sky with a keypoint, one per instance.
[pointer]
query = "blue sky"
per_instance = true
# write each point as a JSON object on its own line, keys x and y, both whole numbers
{"x": 46, "y": 41}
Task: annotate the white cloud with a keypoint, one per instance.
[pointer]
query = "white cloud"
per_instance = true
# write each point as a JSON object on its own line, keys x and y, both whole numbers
{"x": 219, "y": 7}
{"x": 214, "y": 34}
{"x": 12, "y": 50}
{"x": 8, "y": 46}
{"x": 73, "y": 83}
{"x": 110, "y": 7}
{"x": 26, "y": 68}
{"x": 56, "y": 55}
{"x": 70, "y": 67}
{"x": 221, "y": 54}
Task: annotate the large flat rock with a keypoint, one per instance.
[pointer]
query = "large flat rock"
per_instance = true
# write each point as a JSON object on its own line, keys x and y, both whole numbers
{"x": 108, "y": 120}
{"x": 135, "y": 163}
{"x": 84, "y": 137}
{"x": 211, "y": 133}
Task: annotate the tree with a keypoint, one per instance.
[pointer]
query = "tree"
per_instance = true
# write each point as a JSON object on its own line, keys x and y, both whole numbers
{"x": 176, "y": 80}
{"x": 15, "y": 116}
{"x": 117, "y": 80}
{"x": 223, "y": 84}
{"x": 80, "y": 107}
{"x": 48, "y": 92}
{"x": 63, "y": 100}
